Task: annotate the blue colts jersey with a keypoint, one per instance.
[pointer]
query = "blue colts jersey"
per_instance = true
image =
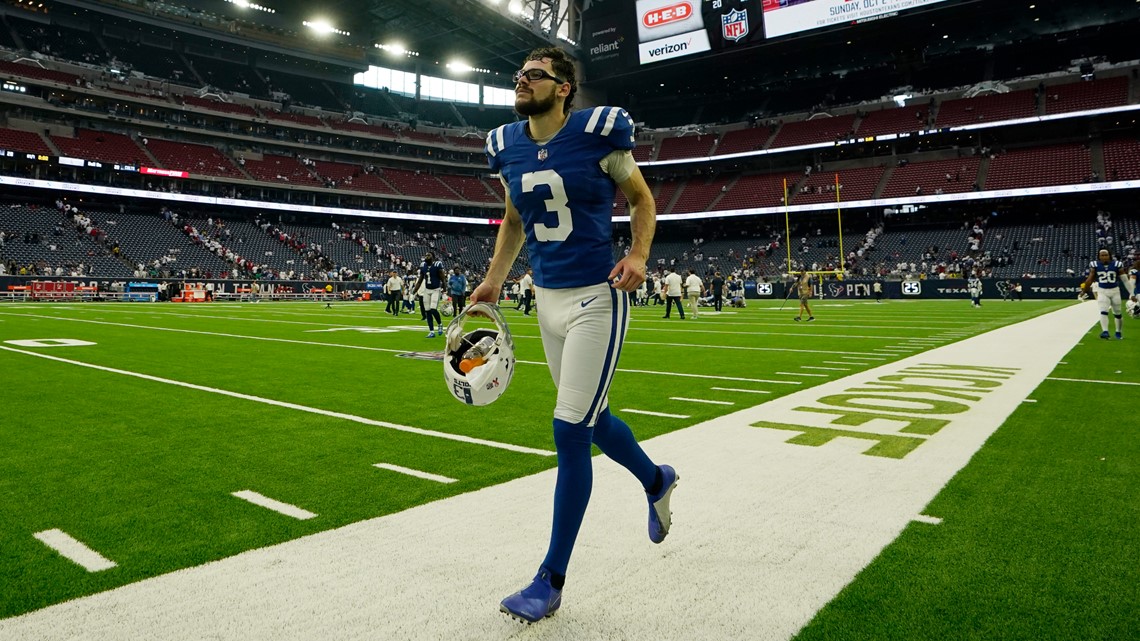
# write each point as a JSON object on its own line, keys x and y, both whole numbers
{"x": 432, "y": 274}
{"x": 564, "y": 198}
{"x": 1106, "y": 275}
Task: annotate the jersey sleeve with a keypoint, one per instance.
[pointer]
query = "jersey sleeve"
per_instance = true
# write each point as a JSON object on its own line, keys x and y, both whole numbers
{"x": 496, "y": 141}
{"x": 614, "y": 125}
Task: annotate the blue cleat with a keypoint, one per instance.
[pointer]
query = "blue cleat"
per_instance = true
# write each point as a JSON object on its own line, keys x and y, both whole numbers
{"x": 660, "y": 518}
{"x": 535, "y": 602}
{"x": 431, "y": 335}
{"x": 1104, "y": 334}
{"x": 1119, "y": 337}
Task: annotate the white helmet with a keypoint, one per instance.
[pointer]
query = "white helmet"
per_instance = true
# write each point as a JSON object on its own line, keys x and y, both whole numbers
{"x": 487, "y": 382}
{"x": 1134, "y": 308}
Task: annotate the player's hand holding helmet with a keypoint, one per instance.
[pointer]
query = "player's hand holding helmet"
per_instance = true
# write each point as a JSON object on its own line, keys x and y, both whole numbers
{"x": 487, "y": 374}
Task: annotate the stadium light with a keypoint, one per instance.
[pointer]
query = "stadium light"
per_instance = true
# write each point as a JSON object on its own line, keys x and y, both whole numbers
{"x": 246, "y": 4}
{"x": 459, "y": 66}
{"x": 396, "y": 49}
{"x": 324, "y": 28}
{"x": 515, "y": 7}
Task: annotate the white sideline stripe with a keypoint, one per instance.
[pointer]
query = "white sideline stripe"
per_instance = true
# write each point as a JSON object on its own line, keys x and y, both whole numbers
{"x": 74, "y": 550}
{"x": 926, "y": 518}
{"x": 709, "y": 376}
{"x": 745, "y": 391}
{"x": 272, "y": 504}
{"x": 416, "y": 473}
{"x": 648, "y": 413}
{"x": 700, "y": 400}
{"x": 294, "y": 406}
{"x": 801, "y": 374}
{"x": 829, "y": 369}
{"x": 1086, "y": 380}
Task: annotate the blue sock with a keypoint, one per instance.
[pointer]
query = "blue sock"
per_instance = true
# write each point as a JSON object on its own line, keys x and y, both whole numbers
{"x": 571, "y": 492}
{"x": 614, "y": 438}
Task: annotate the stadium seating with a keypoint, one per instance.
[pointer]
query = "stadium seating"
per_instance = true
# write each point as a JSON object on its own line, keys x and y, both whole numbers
{"x": 742, "y": 140}
{"x": 472, "y": 188}
{"x": 1082, "y": 96}
{"x": 816, "y": 130}
{"x": 418, "y": 183}
{"x": 698, "y": 195}
{"x": 362, "y": 128}
{"x": 1122, "y": 159}
{"x": 758, "y": 190}
{"x": 219, "y": 106}
{"x": 13, "y": 140}
{"x": 68, "y": 250}
{"x": 280, "y": 169}
{"x": 988, "y": 108}
{"x": 643, "y": 153}
{"x": 855, "y": 184}
{"x": 352, "y": 177}
{"x": 665, "y": 191}
{"x": 932, "y": 176}
{"x": 196, "y": 159}
{"x": 18, "y": 69}
{"x": 101, "y": 145}
{"x": 293, "y": 117}
{"x": 894, "y": 121}
{"x": 1040, "y": 166}
{"x": 685, "y": 147}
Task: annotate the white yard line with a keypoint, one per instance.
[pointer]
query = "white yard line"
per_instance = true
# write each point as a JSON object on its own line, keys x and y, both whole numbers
{"x": 925, "y": 518}
{"x": 74, "y": 550}
{"x": 743, "y": 391}
{"x": 649, "y": 413}
{"x": 829, "y": 369}
{"x": 416, "y": 473}
{"x": 844, "y": 363}
{"x": 293, "y": 406}
{"x": 275, "y": 505}
{"x": 1086, "y": 380}
{"x": 801, "y": 374}
{"x": 700, "y": 400}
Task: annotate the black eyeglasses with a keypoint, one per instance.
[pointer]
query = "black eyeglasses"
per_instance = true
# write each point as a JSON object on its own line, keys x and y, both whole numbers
{"x": 534, "y": 75}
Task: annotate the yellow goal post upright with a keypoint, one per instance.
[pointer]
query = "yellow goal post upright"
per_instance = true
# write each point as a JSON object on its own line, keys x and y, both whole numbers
{"x": 838, "y": 273}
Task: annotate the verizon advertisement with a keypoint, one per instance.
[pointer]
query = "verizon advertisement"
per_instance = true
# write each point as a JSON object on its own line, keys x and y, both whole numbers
{"x": 783, "y": 17}
{"x": 668, "y": 29}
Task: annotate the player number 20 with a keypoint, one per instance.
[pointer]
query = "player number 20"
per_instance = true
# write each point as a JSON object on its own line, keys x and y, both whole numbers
{"x": 1107, "y": 278}
{"x": 557, "y": 203}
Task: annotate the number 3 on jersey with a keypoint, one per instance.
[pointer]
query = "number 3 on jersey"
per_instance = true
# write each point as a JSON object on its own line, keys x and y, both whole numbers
{"x": 557, "y": 204}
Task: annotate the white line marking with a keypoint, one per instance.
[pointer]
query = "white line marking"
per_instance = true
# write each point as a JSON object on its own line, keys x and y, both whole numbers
{"x": 869, "y": 357}
{"x": 276, "y": 506}
{"x": 1085, "y": 380}
{"x": 75, "y": 551}
{"x": 416, "y": 473}
{"x": 829, "y": 369}
{"x": 700, "y": 400}
{"x": 746, "y": 391}
{"x": 709, "y": 376}
{"x": 925, "y": 518}
{"x": 648, "y": 413}
{"x": 844, "y": 363}
{"x": 294, "y": 406}
{"x": 800, "y": 374}
{"x": 1029, "y": 400}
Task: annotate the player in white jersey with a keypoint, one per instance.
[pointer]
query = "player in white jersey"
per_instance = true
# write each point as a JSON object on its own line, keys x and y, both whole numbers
{"x": 1108, "y": 274}
{"x": 560, "y": 169}
{"x": 975, "y": 287}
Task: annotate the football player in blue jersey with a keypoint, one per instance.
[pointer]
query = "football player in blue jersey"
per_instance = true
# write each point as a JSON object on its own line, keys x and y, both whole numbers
{"x": 431, "y": 275}
{"x": 560, "y": 169}
{"x": 1109, "y": 274}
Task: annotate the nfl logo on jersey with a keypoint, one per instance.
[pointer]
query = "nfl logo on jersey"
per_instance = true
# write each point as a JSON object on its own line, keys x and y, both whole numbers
{"x": 542, "y": 154}
{"x": 734, "y": 25}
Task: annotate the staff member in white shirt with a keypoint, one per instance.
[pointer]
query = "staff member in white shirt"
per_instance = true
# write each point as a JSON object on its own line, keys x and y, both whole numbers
{"x": 526, "y": 291}
{"x": 693, "y": 289}
{"x": 671, "y": 287}
{"x": 394, "y": 288}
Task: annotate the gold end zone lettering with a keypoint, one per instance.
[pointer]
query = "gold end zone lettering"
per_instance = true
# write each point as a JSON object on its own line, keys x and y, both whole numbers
{"x": 914, "y": 424}
{"x": 886, "y": 445}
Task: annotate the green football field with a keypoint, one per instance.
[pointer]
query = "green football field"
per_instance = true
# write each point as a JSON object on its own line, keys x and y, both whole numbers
{"x": 135, "y": 440}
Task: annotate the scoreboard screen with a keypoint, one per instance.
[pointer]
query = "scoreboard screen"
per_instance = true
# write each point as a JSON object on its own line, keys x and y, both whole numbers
{"x": 668, "y": 29}
{"x": 784, "y": 17}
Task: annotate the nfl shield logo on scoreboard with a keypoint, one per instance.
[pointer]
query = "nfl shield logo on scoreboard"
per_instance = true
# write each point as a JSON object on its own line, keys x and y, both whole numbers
{"x": 734, "y": 25}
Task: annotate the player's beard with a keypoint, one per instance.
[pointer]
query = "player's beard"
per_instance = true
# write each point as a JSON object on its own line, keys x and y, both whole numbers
{"x": 531, "y": 105}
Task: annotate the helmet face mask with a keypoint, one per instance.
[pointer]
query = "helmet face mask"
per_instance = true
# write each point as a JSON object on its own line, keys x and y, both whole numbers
{"x": 1134, "y": 308}
{"x": 483, "y": 385}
